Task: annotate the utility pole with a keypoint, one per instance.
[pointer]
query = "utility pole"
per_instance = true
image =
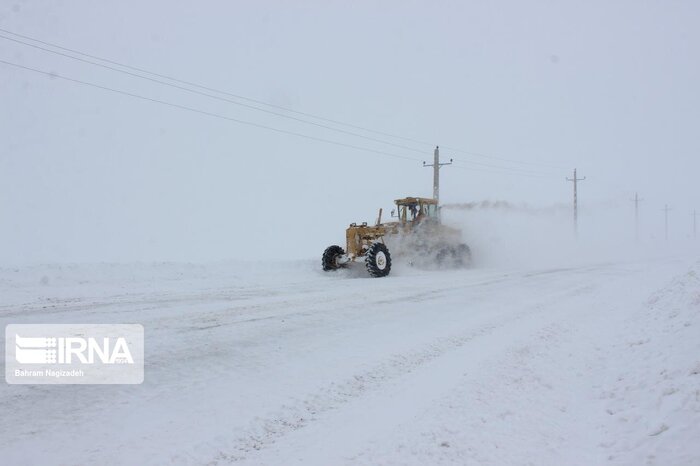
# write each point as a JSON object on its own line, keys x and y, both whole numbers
{"x": 695, "y": 225}
{"x": 575, "y": 179}
{"x": 636, "y": 201}
{"x": 666, "y": 209}
{"x": 436, "y": 172}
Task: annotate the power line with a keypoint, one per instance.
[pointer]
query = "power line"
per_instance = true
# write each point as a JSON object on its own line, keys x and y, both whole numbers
{"x": 238, "y": 103}
{"x": 468, "y": 163}
{"x": 200, "y": 86}
{"x": 486, "y": 170}
{"x": 478, "y": 154}
{"x": 194, "y": 91}
{"x": 238, "y": 96}
{"x": 236, "y": 120}
{"x": 204, "y": 112}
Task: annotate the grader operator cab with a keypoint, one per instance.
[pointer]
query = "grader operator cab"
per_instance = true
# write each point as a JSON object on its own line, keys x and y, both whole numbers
{"x": 416, "y": 209}
{"x": 417, "y": 233}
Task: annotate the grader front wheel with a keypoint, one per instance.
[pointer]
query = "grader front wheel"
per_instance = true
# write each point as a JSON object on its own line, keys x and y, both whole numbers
{"x": 378, "y": 260}
{"x": 329, "y": 260}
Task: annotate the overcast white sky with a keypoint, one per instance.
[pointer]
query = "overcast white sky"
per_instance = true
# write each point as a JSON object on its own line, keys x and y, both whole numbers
{"x": 89, "y": 175}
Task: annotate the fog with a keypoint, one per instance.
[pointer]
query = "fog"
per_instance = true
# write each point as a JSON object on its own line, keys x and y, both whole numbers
{"x": 517, "y": 93}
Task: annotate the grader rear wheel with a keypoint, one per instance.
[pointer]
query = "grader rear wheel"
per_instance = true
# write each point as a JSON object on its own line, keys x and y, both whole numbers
{"x": 453, "y": 256}
{"x": 464, "y": 255}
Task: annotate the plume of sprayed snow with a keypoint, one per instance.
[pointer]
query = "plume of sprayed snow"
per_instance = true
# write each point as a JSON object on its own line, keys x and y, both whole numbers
{"x": 504, "y": 234}
{"x": 506, "y": 206}
{"x": 429, "y": 247}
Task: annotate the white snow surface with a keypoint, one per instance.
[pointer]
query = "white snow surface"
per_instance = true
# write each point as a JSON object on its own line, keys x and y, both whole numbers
{"x": 280, "y": 363}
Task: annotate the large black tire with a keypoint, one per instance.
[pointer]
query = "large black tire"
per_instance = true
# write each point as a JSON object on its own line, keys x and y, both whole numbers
{"x": 445, "y": 257}
{"x": 453, "y": 256}
{"x": 328, "y": 260}
{"x": 464, "y": 255}
{"x": 378, "y": 260}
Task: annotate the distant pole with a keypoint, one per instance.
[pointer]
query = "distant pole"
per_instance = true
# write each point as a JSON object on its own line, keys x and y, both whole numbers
{"x": 636, "y": 201}
{"x": 436, "y": 172}
{"x": 666, "y": 209}
{"x": 695, "y": 225}
{"x": 575, "y": 180}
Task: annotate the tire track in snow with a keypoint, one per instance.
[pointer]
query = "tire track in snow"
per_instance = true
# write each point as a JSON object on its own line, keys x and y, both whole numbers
{"x": 291, "y": 417}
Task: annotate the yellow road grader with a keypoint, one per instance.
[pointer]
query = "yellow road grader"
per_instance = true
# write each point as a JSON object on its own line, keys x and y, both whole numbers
{"x": 416, "y": 233}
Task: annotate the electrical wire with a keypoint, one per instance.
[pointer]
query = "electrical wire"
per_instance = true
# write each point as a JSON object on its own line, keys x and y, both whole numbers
{"x": 244, "y": 122}
{"x": 238, "y": 96}
{"x": 493, "y": 157}
{"x": 514, "y": 173}
{"x": 204, "y": 112}
{"x": 194, "y": 91}
{"x": 257, "y": 125}
{"x": 471, "y": 163}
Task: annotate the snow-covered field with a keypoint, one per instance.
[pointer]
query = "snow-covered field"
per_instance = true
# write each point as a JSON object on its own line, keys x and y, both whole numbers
{"x": 592, "y": 363}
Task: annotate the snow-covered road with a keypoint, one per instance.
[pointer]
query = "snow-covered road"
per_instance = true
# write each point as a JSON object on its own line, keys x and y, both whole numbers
{"x": 282, "y": 364}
